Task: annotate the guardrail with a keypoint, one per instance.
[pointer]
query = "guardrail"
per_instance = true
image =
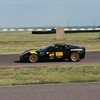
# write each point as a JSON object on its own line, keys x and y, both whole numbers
{"x": 25, "y": 29}
{"x": 52, "y": 29}
{"x": 81, "y": 29}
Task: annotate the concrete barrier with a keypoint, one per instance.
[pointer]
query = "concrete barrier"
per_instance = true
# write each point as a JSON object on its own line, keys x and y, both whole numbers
{"x": 60, "y": 33}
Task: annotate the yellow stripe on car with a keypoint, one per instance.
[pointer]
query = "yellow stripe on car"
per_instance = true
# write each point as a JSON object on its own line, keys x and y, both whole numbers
{"x": 33, "y": 52}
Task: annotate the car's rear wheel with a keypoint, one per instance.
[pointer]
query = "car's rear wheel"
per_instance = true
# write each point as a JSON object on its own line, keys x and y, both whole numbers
{"x": 74, "y": 57}
{"x": 33, "y": 58}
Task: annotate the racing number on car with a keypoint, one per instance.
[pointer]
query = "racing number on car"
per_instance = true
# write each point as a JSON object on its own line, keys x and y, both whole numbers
{"x": 51, "y": 55}
{"x": 59, "y": 54}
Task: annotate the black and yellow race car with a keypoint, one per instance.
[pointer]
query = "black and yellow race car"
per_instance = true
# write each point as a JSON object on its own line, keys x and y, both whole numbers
{"x": 57, "y": 51}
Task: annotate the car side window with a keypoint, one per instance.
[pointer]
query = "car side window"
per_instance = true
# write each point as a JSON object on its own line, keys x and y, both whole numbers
{"x": 59, "y": 48}
{"x": 51, "y": 49}
{"x": 66, "y": 47}
{"x": 56, "y": 49}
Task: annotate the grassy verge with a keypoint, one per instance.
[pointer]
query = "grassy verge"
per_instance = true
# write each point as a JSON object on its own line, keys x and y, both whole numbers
{"x": 46, "y": 75}
{"x": 15, "y": 43}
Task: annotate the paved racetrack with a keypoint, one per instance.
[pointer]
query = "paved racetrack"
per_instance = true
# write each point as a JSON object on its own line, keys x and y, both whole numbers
{"x": 69, "y": 91}
{"x": 12, "y": 61}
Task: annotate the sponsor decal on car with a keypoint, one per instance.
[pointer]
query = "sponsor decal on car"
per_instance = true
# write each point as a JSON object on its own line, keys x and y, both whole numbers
{"x": 76, "y": 49}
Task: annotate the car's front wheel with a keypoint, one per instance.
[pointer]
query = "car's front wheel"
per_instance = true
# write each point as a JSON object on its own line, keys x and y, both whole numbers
{"x": 74, "y": 57}
{"x": 33, "y": 58}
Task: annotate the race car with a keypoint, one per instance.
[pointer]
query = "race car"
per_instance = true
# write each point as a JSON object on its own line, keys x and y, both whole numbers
{"x": 56, "y": 51}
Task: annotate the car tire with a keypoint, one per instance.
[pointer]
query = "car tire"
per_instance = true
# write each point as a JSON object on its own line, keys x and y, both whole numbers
{"x": 74, "y": 57}
{"x": 33, "y": 58}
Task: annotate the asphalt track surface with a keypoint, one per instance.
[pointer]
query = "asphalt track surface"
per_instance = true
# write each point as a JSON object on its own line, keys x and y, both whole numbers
{"x": 12, "y": 61}
{"x": 69, "y": 91}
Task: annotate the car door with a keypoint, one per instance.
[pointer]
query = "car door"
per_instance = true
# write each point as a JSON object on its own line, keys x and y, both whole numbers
{"x": 54, "y": 52}
{"x": 58, "y": 52}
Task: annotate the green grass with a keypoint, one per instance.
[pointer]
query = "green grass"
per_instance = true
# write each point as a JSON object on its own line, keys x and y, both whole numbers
{"x": 48, "y": 75}
{"x": 17, "y": 42}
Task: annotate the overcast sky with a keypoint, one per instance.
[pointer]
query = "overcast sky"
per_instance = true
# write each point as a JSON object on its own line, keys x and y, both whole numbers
{"x": 34, "y": 13}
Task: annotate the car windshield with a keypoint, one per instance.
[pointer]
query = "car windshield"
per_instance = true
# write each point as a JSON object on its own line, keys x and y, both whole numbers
{"x": 46, "y": 48}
